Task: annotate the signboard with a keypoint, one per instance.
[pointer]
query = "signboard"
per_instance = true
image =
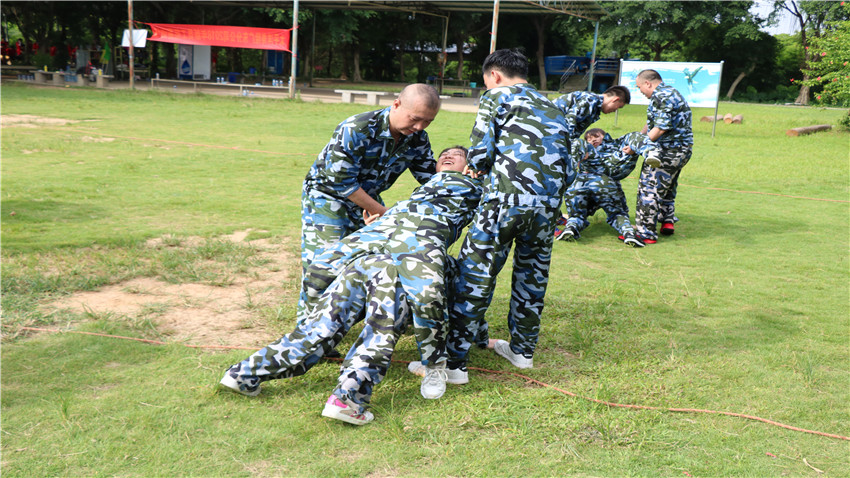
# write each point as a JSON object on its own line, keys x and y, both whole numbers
{"x": 699, "y": 83}
{"x": 216, "y": 35}
{"x": 140, "y": 38}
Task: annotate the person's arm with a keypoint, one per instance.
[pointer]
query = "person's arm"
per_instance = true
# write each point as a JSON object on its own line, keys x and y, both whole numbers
{"x": 482, "y": 152}
{"x": 655, "y": 133}
{"x": 365, "y": 201}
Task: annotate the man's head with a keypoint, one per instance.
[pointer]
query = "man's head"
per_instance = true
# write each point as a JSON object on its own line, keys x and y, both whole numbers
{"x": 452, "y": 159}
{"x": 595, "y": 136}
{"x": 646, "y": 82}
{"x": 615, "y": 98}
{"x": 414, "y": 109}
{"x": 504, "y": 68}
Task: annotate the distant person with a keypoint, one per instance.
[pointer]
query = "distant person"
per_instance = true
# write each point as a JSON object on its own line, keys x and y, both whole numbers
{"x": 583, "y": 108}
{"x": 520, "y": 142}
{"x": 668, "y": 124}
{"x": 390, "y": 273}
{"x": 603, "y": 162}
{"x": 365, "y": 156}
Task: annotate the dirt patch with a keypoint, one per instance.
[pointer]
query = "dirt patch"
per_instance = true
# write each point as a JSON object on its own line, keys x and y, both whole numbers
{"x": 32, "y": 121}
{"x": 199, "y": 313}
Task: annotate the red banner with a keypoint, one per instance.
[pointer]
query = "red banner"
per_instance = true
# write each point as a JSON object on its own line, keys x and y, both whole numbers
{"x": 213, "y": 35}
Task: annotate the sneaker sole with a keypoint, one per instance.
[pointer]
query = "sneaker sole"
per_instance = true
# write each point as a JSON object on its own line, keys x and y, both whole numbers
{"x": 633, "y": 242}
{"x": 668, "y": 231}
{"x": 331, "y": 411}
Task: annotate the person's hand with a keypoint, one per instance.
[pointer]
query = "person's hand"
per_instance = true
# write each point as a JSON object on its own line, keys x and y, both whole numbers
{"x": 471, "y": 172}
{"x": 628, "y": 150}
{"x": 369, "y": 218}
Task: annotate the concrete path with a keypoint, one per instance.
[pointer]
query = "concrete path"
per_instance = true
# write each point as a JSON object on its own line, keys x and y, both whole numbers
{"x": 324, "y": 95}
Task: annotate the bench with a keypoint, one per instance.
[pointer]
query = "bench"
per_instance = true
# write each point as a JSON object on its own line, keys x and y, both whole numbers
{"x": 60, "y": 78}
{"x": 40, "y": 76}
{"x": 102, "y": 81}
{"x": 371, "y": 96}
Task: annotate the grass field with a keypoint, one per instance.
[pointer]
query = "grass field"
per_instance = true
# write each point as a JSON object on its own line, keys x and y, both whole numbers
{"x": 744, "y": 309}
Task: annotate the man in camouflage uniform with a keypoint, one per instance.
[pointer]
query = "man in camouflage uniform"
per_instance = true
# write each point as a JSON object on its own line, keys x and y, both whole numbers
{"x": 520, "y": 141}
{"x": 583, "y": 108}
{"x": 668, "y": 123}
{"x": 365, "y": 156}
{"x": 387, "y": 272}
{"x": 604, "y": 163}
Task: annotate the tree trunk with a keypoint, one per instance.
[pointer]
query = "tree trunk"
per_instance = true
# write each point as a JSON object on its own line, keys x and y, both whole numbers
{"x": 803, "y": 97}
{"x": 355, "y": 59}
{"x": 738, "y": 80}
{"x": 540, "y": 27}
{"x": 808, "y": 130}
{"x": 459, "y": 43}
{"x": 170, "y": 60}
{"x": 401, "y": 63}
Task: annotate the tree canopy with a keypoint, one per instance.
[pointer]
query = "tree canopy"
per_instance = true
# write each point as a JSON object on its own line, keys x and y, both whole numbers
{"x": 359, "y": 45}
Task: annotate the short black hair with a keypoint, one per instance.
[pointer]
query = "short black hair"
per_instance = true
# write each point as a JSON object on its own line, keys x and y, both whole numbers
{"x": 510, "y": 62}
{"x": 621, "y": 92}
{"x": 594, "y": 132}
{"x": 465, "y": 151}
{"x": 649, "y": 75}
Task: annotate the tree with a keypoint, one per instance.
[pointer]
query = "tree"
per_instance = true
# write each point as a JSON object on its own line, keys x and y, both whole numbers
{"x": 657, "y": 30}
{"x": 735, "y": 38}
{"x": 811, "y": 16}
{"x": 828, "y": 66}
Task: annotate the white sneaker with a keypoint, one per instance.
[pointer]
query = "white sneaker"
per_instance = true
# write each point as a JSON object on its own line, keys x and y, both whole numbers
{"x": 229, "y": 383}
{"x": 434, "y": 382}
{"x": 339, "y": 410}
{"x": 453, "y": 376}
{"x": 503, "y": 348}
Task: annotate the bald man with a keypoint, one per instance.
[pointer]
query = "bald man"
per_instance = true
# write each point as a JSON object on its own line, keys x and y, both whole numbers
{"x": 365, "y": 156}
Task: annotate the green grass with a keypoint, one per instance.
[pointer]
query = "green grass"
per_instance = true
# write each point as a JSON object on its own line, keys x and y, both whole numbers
{"x": 743, "y": 310}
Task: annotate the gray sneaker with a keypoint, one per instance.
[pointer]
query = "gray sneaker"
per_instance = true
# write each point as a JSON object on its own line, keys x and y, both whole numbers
{"x": 653, "y": 159}
{"x": 229, "y": 383}
{"x": 567, "y": 234}
{"x": 631, "y": 240}
{"x": 503, "y": 348}
{"x": 453, "y": 376}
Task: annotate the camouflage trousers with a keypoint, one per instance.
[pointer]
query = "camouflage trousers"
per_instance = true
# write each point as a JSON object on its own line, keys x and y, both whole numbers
{"x": 589, "y": 193}
{"x": 324, "y": 221}
{"x": 368, "y": 284}
{"x": 656, "y": 195}
{"x": 484, "y": 252}
{"x": 417, "y": 247}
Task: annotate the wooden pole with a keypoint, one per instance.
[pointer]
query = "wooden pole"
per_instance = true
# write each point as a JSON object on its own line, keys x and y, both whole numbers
{"x": 131, "y": 60}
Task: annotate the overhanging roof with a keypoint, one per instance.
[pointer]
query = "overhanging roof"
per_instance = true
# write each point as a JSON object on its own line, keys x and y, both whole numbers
{"x": 578, "y": 8}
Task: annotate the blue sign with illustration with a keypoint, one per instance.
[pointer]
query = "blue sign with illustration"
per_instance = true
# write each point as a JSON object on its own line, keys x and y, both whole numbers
{"x": 699, "y": 83}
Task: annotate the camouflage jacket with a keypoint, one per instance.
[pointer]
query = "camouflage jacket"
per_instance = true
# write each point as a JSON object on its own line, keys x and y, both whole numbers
{"x": 520, "y": 140}
{"x": 669, "y": 111}
{"x": 363, "y": 153}
{"x": 581, "y": 109}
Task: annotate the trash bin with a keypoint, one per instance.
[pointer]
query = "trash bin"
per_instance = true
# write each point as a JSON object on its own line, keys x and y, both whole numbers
{"x": 232, "y": 77}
